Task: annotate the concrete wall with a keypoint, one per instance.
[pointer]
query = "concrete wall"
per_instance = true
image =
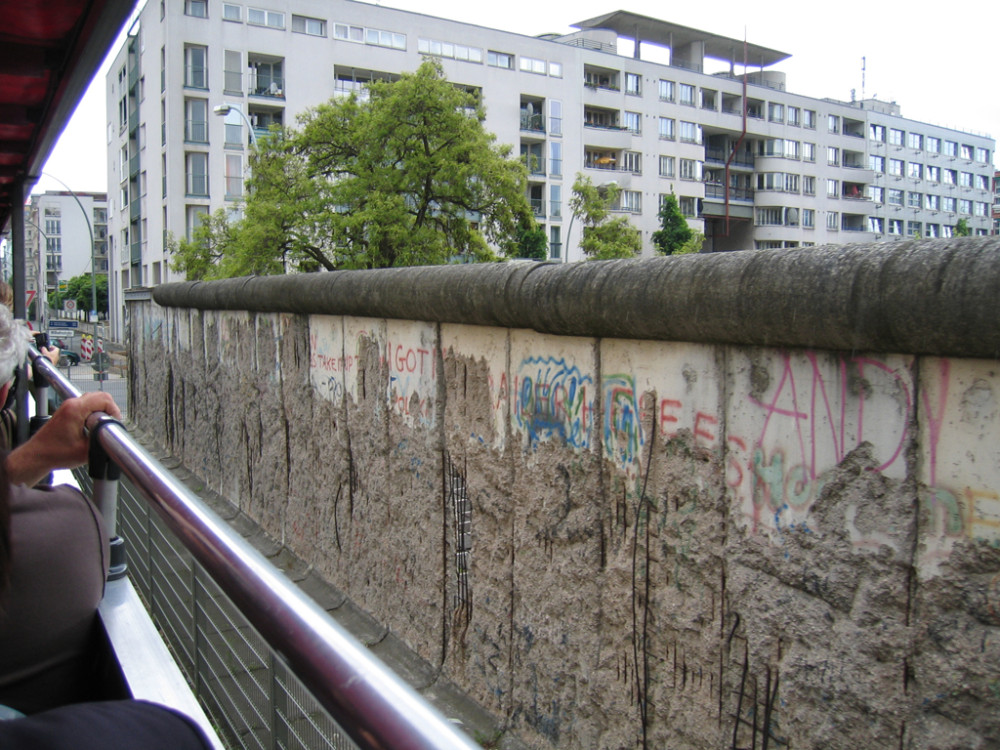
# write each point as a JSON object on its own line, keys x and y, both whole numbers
{"x": 756, "y": 506}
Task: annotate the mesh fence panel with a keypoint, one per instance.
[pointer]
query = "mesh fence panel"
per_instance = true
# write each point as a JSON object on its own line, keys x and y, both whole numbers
{"x": 251, "y": 697}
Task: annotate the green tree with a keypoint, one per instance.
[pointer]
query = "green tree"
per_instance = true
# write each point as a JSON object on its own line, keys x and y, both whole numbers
{"x": 603, "y": 238}
{"x": 409, "y": 176}
{"x": 532, "y": 242}
{"x": 674, "y": 232}
{"x": 962, "y": 228}
{"x": 80, "y": 290}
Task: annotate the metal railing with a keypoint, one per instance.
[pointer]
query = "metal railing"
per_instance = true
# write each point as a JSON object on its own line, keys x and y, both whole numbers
{"x": 313, "y": 657}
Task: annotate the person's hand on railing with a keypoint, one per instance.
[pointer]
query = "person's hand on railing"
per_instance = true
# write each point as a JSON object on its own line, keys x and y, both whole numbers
{"x": 61, "y": 443}
{"x": 51, "y": 353}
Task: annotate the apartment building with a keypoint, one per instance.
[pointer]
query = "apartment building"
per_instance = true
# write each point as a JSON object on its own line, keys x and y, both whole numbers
{"x": 752, "y": 164}
{"x": 66, "y": 235}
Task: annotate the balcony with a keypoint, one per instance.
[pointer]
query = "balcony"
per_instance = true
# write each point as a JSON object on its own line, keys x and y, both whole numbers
{"x": 718, "y": 190}
{"x": 265, "y": 76}
{"x": 719, "y": 156}
{"x": 605, "y": 79}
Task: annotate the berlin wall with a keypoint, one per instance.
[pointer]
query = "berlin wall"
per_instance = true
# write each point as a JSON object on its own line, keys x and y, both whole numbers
{"x": 744, "y": 500}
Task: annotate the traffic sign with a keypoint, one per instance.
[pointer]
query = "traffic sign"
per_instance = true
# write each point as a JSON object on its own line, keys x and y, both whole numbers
{"x": 64, "y": 324}
{"x": 30, "y": 295}
{"x": 69, "y": 305}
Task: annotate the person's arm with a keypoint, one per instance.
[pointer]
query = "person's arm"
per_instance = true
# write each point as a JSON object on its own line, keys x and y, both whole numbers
{"x": 61, "y": 443}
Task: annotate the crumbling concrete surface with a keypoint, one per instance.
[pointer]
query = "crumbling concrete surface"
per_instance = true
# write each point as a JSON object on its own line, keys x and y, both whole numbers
{"x": 617, "y": 542}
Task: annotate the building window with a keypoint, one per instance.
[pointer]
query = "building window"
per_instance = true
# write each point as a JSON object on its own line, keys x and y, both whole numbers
{"x": 666, "y": 166}
{"x": 965, "y": 179}
{"x": 791, "y": 149}
{"x": 348, "y": 33}
{"x": 875, "y": 194}
{"x": 307, "y": 25}
{"x": 875, "y": 224}
{"x": 808, "y": 218}
{"x": 950, "y": 176}
{"x": 948, "y": 204}
{"x": 794, "y": 116}
{"x": 876, "y": 163}
{"x": 500, "y": 60}
{"x": 555, "y": 158}
{"x": 967, "y": 151}
{"x": 933, "y": 174}
{"x": 555, "y": 201}
{"x": 932, "y": 144}
{"x": 833, "y": 188}
{"x": 775, "y": 112}
{"x": 771, "y": 216}
{"x": 915, "y": 170}
{"x": 555, "y": 244}
{"x": 833, "y": 220}
{"x": 687, "y": 205}
{"x": 690, "y": 169}
{"x": 381, "y": 38}
{"x": 234, "y": 176}
{"x": 667, "y": 128}
{"x": 687, "y": 94}
{"x": 932, "y": 230}
{"x": 631, "y": 201}
{"x": 808, "y": 185}
{"x": 666, "y": 90}
{"x": 232, "y": 12}
{"x": 914, "y": 199}
{"x": 533, "y": 65}
{"x": 632, "y": 162}
{"x": 809, "y": 119}
{"x": 982, "y": 182}
{"x": 233, "y": 72}
{"x": 633, "y": 122}
{"x": 895, "y": 197}
{"x": 196, "y": 8}
{"x": 808, "y": 152}
{"x": 983, "y": 155}
{"x": 196, "y": 120}
{"x": 555, "y": 69}
{"x": 833, "y": 156}
{"x": 895, "y": 137}
{"x": 965, "y": 206}
{"x": 932, "y": 202}
{"x": 690, "y": 132}
{"x": 270, "y": 18}
{"x": 833, "y": 123}
{"x": 896, "y": 167}
{"x": 950, "y": 148}
{"x": 876, "y": 133}
{"x": 196, "y": 174}
{"x": 196, "y": 67}
{"x": 555, "y": 118}
{"x": 193, "y": 217}
{"x": 913, "y": 228}
{"x": 450, "y": 50}
{"x": 633, "y": 84}
{"x": 915, "y": 141}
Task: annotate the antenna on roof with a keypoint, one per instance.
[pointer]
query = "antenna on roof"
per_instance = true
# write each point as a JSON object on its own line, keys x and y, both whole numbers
{"x": 863, "y": 81}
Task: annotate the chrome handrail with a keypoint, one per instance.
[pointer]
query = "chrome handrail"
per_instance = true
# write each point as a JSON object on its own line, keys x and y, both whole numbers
{"x": 370, "y": 702}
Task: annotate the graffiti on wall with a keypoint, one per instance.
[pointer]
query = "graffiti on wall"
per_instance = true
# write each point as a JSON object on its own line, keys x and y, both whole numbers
{"x": 553, "y": 400}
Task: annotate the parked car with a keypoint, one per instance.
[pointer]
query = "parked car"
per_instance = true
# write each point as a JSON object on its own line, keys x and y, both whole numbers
{"x": 66, "y": 358}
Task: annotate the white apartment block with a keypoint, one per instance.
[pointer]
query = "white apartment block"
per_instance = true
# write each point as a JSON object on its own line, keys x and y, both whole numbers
{"x": 67, "y": 235}
{"x": 753, "y": 165}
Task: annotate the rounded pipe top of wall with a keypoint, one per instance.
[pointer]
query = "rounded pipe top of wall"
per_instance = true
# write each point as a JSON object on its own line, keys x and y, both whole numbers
{"x": 937, "y": 297}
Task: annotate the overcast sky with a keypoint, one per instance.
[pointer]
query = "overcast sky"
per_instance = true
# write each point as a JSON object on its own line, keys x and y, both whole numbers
{"x": 936, "y": 60}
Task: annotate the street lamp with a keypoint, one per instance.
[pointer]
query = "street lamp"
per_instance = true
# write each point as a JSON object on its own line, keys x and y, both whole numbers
{"x": 224, "y": 109}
